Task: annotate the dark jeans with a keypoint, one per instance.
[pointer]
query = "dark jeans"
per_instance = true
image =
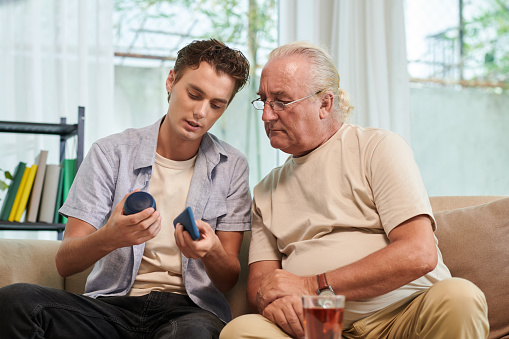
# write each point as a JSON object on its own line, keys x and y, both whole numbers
{"x": 31, "y": 311}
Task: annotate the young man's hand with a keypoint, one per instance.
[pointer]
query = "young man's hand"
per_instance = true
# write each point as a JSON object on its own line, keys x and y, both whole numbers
{"x": 218, "y": 251}
{"x": 127, "y": 230}
{"x": 195, "y": 249}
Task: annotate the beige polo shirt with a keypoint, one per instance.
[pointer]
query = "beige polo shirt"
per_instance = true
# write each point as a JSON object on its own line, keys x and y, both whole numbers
{"x": 337, "y": 204}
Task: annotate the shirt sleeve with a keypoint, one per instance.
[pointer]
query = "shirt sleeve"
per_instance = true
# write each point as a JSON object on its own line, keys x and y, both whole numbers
{"x": 263, "y": 243}
{"x": 90, "y": 196}
{"x": 398, "y": 189}
{"x": 238, "y": 200}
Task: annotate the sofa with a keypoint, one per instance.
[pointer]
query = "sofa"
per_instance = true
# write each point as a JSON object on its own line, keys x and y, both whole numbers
{"x": 472, "y": 232}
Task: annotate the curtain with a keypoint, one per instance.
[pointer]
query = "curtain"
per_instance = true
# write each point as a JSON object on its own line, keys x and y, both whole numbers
{"x": 366, "y": 38}
{"x": 55, "y": 55}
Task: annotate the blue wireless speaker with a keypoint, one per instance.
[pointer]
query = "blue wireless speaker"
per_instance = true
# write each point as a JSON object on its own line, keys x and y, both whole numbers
{"x": 137, "y": 202}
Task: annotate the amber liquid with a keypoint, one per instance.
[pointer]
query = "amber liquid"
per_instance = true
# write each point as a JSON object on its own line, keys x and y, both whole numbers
{"x": 323, "y": 323}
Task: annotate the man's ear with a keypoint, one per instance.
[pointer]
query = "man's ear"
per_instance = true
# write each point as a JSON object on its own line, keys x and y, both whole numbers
{"x": 170, "y": 81}
{"x": 326, "y": 105}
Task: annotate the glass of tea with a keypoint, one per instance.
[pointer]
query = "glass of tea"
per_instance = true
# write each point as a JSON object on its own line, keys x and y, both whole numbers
{"x": 323, "y": 316}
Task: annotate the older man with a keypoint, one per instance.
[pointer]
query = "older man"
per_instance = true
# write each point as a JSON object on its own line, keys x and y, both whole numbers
{"x": 347, "y": 213}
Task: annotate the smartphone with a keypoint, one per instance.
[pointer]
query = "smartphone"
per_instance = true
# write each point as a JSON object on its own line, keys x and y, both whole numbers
{"x": 186, "y": 218}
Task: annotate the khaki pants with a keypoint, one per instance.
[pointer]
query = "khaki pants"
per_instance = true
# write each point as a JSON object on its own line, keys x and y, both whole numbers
{"x": 452, "y": 308}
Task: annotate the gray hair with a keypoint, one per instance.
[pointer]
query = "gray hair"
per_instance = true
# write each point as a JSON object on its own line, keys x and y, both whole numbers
{"x": 324, "y": 73}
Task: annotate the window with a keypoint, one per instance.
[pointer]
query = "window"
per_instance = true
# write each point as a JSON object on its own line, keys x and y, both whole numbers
{"x": 458, "y": 53}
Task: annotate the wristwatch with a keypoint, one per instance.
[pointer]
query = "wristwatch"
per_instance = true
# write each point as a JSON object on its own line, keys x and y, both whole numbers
{"x": 323, "y": 286}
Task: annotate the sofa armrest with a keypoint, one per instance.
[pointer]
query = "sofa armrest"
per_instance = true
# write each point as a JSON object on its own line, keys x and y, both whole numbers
{"x": 29, "y": 261}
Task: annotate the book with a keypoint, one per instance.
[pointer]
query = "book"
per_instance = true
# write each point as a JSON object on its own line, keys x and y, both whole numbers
{"x": 11, "y": 191}
{"x": 27, "y": 189}
{"x": 15, "y": 205}
{"x": 69, "y": 168}
{"x": 57, "y": 217}
{"x": 35, "y": 197}
{"x": 49, "y": 193}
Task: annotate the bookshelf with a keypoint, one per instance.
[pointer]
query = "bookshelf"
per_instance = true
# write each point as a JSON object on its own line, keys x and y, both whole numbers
{"x": 65, "y": 131}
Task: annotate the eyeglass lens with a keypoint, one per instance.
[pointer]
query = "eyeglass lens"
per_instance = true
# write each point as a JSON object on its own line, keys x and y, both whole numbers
{"x": 275, "y": 105}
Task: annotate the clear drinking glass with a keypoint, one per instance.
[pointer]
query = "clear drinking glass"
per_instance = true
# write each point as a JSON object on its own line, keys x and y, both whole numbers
{"x": 323, "y": 316}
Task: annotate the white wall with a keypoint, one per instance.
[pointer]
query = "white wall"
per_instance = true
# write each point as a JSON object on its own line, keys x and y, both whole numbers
{"x": 460, "y": 140}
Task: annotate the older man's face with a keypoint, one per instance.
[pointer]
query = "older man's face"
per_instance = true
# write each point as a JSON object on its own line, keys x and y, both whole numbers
{"x": 295, "y": 130}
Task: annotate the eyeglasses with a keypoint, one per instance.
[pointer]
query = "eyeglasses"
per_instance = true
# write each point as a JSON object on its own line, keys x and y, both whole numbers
{"x": 259, "y": 104}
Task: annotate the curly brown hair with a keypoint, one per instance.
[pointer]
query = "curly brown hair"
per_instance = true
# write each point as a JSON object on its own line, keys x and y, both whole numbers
{"x": 222, "y": 58}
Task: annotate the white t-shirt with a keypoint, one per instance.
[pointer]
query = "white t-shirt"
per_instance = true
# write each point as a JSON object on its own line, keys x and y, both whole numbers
{"x": 337, "y": 204}
{"x": 161, "y": 266}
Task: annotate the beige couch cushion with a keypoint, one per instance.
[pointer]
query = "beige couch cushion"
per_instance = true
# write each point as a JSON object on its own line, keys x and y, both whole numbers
{"x": 30, "y": 261}
{"x": 237, "y": 296}
{"x": 474, "y": 243}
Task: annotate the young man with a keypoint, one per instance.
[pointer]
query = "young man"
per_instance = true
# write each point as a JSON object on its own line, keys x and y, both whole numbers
{"x": 150, "y": 280}
{"x": 347, "y": 213}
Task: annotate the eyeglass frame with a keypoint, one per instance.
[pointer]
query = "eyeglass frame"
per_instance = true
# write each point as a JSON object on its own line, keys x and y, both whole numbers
{"x": 271, "y": 103}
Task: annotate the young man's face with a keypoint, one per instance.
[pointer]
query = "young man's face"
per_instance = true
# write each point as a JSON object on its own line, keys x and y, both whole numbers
{"x": 197, "y": 100}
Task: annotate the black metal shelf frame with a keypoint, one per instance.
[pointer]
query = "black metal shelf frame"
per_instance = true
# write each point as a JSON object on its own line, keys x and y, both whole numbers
{"x": 65, "y": 131}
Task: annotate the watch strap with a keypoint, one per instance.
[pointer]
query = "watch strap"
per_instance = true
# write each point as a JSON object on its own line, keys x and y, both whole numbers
{"x": 322, "y": 283}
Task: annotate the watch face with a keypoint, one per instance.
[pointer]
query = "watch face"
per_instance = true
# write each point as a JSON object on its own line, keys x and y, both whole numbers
{"x": 326, "y": 292}
{"x": 325, "y": 299}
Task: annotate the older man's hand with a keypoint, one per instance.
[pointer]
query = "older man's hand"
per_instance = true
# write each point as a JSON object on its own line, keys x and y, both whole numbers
{"x": 287, "y": 313}
{"x": 279, "y": 284}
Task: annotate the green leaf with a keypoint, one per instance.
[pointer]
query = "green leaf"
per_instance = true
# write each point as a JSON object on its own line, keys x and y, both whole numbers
{"x": 489, "y": 58}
